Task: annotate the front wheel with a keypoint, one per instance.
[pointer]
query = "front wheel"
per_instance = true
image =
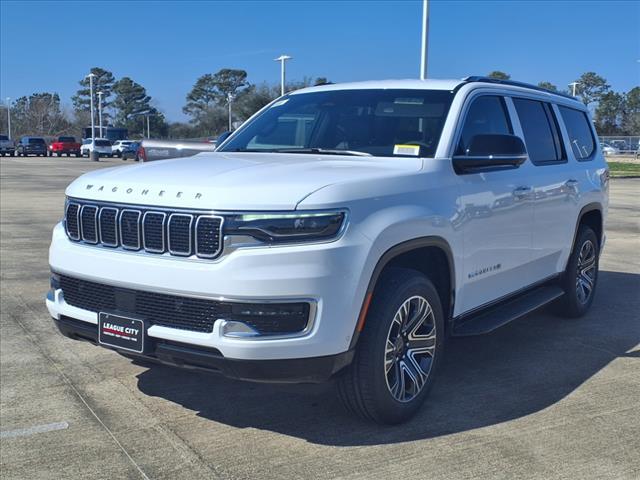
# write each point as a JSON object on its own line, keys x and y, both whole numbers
{"x": 581, "y": 275}
{"x": 398, "y": 351}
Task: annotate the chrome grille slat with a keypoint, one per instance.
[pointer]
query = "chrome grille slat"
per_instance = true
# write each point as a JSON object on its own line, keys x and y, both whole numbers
{"x": 108, "y": 222}
{"x": 152, "y": 230}
{"x": 72, "y": 221}
{"x": 89, "y": 223}
{"x": 179, "y": 233}
{"x": 130, "y": 229}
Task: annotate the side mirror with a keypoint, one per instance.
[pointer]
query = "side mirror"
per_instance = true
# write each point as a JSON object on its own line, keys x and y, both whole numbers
{"x": 222, "y": 137}
{"x": 491, "y": 150}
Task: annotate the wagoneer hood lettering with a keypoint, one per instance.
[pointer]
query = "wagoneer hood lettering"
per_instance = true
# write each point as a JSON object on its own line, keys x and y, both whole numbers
{"x": 232, "y": 181}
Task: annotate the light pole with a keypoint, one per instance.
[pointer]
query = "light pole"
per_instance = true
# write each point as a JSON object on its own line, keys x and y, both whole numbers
{"x": 9, "y": 117}
{"x": 282, "y": 59}
{"x": 91, "y": 76}
{"x": 100, "y": 93}
{"x": 425, "y": 39}
{"x": 230, "y": 98}
{"x": 574, "y": 85}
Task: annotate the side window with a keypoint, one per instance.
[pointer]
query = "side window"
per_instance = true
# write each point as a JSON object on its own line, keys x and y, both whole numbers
{"x": 541, "y": 133}
{"x": 579, "y": 131}
{"x": 487, "y": 114}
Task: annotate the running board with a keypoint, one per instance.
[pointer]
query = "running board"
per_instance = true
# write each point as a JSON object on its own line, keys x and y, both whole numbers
{"x": 504, "y": 312}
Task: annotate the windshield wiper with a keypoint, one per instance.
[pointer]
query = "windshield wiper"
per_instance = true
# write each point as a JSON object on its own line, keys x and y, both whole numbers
{"x": 324, "y": 151}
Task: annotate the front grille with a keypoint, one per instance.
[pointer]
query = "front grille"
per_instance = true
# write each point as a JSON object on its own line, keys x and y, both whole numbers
{"x": 143, "y": 228}
{"x": 186, "y": 313}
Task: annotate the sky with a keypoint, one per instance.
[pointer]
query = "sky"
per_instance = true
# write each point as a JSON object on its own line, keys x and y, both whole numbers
{"x": 167, "y": 45}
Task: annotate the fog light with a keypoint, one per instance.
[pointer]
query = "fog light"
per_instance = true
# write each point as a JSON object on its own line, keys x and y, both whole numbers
{"x": 263, "y": 319}
{"x": 54, "y": 281}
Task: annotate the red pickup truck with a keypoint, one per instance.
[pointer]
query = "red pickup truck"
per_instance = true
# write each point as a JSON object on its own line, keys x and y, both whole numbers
{"x": 65, "y": 145}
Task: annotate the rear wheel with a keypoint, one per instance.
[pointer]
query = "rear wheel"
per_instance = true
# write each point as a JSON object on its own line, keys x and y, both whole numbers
{"x": 581, "y": 275}
{"x": 398, "y": 351}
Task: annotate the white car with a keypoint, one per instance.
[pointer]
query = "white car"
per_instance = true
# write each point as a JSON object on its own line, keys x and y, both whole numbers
{"x": 101, "y": 146}
{"x": 119, "y": 145}
{"x": 609, "y": 150}
{"x": 343, "y": 231}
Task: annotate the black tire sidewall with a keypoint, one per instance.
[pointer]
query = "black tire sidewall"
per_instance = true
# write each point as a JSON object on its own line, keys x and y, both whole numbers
{"x": 396, "y": 287}
{"x": 573, "y": 306}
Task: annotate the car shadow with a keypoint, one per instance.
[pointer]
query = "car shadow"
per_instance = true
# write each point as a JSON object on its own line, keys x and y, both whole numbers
{"x": 515, "y": 371}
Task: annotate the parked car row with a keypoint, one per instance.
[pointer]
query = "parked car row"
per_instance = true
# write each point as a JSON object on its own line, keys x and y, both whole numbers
{"x": 67, "y": 145}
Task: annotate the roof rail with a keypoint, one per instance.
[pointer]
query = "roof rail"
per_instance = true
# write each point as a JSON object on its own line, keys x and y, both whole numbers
{"x": 479, "y": 78}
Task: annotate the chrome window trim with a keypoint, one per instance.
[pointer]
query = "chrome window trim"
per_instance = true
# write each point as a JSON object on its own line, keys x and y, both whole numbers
{"x": 66, "y": 214}
{"x": 137, "y": 224}
{"x": 115, "y": 226}
{"x": 163, "y": 234}
{"x": 177, "y": 252}
{"x": 95, "y": 219}
{"x": 220, "y": 236}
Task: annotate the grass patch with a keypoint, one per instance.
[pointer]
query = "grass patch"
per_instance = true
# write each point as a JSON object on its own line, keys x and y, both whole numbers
{"x": 623, "y": 169}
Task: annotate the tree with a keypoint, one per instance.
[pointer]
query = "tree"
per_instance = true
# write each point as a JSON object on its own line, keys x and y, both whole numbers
{"x": 214, "y": 90}
{"x": 548, "y": 86}
{"x": 103, "y": 82}
{"x": 631, "y": 113}
{"x": 254, "y": 98}
{"x": 321, "y": 81}
{"x": 591, "y": 87}
{"x": 39, "y": 114}
{"x": 497, "y": 74}
{"x": 131, "y": 101}
{"x": 609, "y": 113}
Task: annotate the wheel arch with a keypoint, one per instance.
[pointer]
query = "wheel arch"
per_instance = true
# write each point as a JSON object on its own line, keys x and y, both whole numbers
{"x": 421, "y": 254}
{"x": 591, "y": 215}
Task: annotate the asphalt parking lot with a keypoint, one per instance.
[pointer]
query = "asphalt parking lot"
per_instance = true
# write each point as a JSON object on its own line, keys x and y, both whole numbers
{"x": 540, "y": 398}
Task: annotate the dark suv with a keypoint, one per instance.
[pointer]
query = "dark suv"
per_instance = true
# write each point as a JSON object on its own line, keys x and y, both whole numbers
{"x": 31, "y": 145}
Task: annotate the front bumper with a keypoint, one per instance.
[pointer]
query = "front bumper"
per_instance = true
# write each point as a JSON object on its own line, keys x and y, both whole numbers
{"x": 302, "y": 370}
{"x": 328, "y": 274}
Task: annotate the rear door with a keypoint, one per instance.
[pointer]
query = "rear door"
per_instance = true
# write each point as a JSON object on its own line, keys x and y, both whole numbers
{"x": 556, "y": 184}
{"x": 496, "y": 213}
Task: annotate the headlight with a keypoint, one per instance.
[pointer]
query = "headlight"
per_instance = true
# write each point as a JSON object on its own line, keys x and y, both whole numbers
{"x": 286, "y": 227}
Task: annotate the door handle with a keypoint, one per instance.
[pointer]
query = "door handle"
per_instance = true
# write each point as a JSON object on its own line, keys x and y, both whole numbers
{"x": 522, "y": 192}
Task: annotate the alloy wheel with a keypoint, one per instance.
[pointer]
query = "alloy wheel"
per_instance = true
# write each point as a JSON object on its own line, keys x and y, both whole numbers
{"x": 586, "y": 272}
{"x": 410, "y": 348}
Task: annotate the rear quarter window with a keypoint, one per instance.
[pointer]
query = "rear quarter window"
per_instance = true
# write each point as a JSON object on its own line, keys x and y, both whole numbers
{"x": 579, "y": 131}
{"x": 540, "y": 131}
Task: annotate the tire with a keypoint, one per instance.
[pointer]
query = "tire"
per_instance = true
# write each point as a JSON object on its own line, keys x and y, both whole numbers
{"x": 370, "y": 387}
{"x": 580, "y": 278}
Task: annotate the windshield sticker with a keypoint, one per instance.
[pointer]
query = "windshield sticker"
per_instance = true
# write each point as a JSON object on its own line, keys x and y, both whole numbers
{"x": 280, "y": 102}
{"x": 413, "y": 150}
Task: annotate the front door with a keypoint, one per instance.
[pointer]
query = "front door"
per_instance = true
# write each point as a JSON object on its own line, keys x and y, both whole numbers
{"x": 496, "y": 215}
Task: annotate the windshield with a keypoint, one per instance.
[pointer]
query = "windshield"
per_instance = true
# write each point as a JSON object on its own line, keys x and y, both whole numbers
{"x": 36, "y": 141}
{"x": 67, "y": 139}
{"x": 102, "y": 143}
{"x": 4, "y": 137}
{"x": 352, "y": 122}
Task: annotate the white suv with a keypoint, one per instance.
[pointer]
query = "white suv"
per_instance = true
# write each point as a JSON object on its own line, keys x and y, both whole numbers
{"x": 343, "y": 231}
{"x": 101, "y": 146}
{"x": 119, "y": 145}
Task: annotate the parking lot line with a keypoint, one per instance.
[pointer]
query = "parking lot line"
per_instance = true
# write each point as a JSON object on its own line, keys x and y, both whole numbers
{"x": 24, "y": 432}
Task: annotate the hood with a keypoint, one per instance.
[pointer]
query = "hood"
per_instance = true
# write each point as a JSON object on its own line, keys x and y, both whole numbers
{"x": 233, "y": 181}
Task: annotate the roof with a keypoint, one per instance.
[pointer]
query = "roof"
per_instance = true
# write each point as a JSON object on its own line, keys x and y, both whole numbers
{"x": 431, "y": 84}
{"x": 406, "y": 84}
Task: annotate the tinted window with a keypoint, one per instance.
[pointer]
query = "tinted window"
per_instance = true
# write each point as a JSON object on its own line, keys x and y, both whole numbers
{"x": 36, "y": 141}
{"x": 540, "y": 132}
{"x": 486, "y": 115}
{"x": 67, "y": 139}
{"x": 102, "y": 143}
{"x": 579, "y": 131}
{"x": 371, "y": 121}
{"x": 4, "y": 137}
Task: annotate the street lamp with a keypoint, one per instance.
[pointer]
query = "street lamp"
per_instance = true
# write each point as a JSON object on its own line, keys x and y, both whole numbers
{"x": 91, "y": 76}
{"x": 574, "y": 85}
{"x": 9, "y": 117}
{"x": 282, "y": 59}
{"x": 425, "y": 39}
{"x": 230, "y": 99}
{"x": 100, "y": 93}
